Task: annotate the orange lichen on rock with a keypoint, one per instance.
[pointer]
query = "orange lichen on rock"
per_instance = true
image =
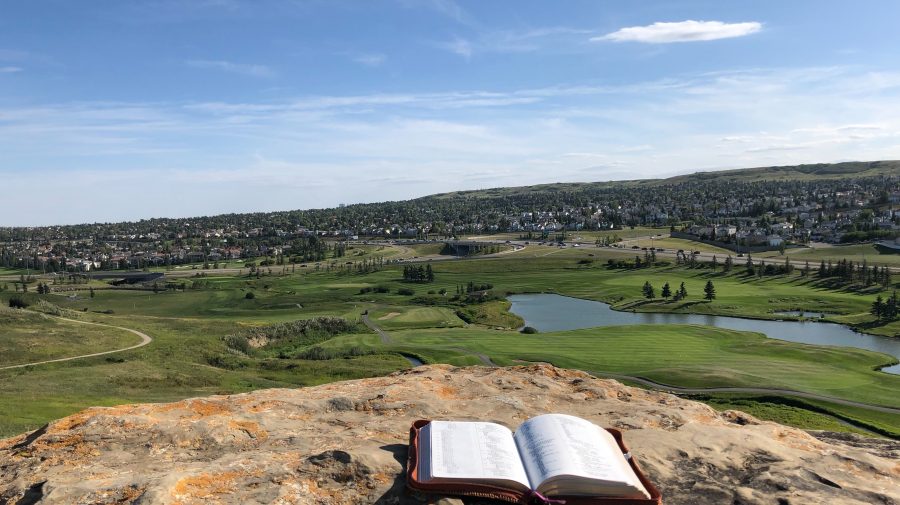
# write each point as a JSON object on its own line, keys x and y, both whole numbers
{"x": 207, "y": 485}
{"x": 252, "y": 429}
{"x": 346, "y": 443}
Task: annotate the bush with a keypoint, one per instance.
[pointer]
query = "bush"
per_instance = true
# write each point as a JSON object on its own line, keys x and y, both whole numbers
{"x": 250, "y": 295}
{"x": 382, "y": 289}
{"x": 405, "y": 292}
{"x": 17, "y": 302}
{"x": 529, "y": 330}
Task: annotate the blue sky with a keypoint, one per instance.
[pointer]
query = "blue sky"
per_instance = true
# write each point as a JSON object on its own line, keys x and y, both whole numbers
{"x": 114, "y": 110}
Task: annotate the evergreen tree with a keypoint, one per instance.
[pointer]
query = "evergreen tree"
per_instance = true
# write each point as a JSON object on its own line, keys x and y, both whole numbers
{"x": 709, "y": 291}
{"x": 666, "y": 291}
{"x": 751, "y": 269}
{"x": 648, "y": 290}
{"x": 728, "y": 264}
{"x": 682, "y": 292}
{"x": 715, "y": 263}
{"x": 878, "y": 307}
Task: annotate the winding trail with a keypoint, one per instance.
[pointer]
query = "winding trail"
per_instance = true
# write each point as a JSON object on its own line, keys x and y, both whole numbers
{"x": 786, "y": 392}
{"x": 385, "y": 338}
{"x": 145, "y": 339}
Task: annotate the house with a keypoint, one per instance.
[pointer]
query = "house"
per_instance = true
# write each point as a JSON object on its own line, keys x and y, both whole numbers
{"x": 775, "y": 241}
{"x": 723, "y": 231}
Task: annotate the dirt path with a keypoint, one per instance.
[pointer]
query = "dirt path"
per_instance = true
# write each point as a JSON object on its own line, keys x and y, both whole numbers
{"x": 145, "y": 339}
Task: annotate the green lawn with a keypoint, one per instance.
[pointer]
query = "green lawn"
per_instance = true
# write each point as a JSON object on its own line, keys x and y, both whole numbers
{"x": 855, "y": 253}
{"x": 188, "y": 357}
{"x": 396, "y": 317}
{"x": 674, "y": 244}
{"x": 680, "y": 355}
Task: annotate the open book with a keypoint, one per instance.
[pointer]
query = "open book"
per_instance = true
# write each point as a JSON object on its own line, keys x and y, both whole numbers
{"x": 552, "y": 455}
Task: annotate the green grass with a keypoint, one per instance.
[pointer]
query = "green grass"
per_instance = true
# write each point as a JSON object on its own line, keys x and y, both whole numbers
{"x": 188, "y": 357}
{"x": 789, "y": 411}
{"x": 855, "y": 253}
{"x": 680, "y": 355}
{"x": 674, "y": 244}
{"x": 494, "y": 313}
{"x": 395, "y": 317}
{"x": 26, "y": 337}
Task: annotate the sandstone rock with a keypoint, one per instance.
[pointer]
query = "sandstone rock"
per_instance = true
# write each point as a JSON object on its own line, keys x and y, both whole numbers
{"x": 346, "y": 443}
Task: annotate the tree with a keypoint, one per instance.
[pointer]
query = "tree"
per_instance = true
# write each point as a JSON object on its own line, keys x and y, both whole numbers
{"x": 429, "y": 274}
{"x": 92, "y": 292}
{"x": 751, "y": 270}
{"x": 709, "y": 291}
{"x": 728, "y": 264}
{"x": 666, "y": 291}
{"x": 649, "y": 292}
{"x": 715, "y": 263}
{"x": 682, "y": 292}
{"x": 877, "y": 307}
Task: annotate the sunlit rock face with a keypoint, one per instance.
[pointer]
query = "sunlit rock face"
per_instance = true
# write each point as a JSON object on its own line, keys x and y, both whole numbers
{"x": 346, "y": 443}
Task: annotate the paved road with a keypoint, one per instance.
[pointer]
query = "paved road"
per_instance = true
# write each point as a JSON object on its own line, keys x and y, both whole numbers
{"x": 785, "y": 392}
{"x": 385, "y": 338}
{"x": 145, "y": 339}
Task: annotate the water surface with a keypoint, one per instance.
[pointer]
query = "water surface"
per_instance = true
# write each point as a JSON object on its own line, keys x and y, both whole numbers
{"x": 548, "y": 312}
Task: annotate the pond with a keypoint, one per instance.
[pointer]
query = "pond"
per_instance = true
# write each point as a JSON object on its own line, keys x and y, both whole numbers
{"x": 548, "y": 312}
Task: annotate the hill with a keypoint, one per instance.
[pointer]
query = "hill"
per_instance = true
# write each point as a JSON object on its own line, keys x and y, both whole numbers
{"x": 818, "y": 171}
{"x": 347, "y": 443}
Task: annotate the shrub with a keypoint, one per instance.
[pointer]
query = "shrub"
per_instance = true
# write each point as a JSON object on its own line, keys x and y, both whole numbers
{"x": 529, "y": 330}
{"x": 17, "y": 302}
{"x": 250, "y": 295}
{"x": 405, "y": 292}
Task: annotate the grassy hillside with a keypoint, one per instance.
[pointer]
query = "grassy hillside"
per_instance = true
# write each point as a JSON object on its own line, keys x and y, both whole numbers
{"x": 816, "y": 171}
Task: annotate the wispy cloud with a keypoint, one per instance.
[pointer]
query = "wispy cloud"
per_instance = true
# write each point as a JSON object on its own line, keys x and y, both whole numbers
{"x": 370, "y": 59}
{"x": 682, "y": 31}
{"x": 252, "y": 70}
{"x": 447, "y": 8}
{"x": 452, "y": 139}
{"x": 10, "y": 70}
{"x": 459, "y": 46}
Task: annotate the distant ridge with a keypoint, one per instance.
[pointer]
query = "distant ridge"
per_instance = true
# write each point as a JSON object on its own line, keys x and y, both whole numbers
{"x": 328, "y": 218}
{"x": 816, "y": 171}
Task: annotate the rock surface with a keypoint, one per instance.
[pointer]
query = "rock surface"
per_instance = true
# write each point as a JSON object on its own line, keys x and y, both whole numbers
{"x": 346, "y": 443}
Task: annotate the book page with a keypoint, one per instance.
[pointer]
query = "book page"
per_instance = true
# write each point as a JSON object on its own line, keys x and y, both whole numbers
{"x": 474, "y": 450}
{"x": 557, "y": 444}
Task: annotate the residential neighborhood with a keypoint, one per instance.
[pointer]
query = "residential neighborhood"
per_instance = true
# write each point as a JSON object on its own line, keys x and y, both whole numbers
{"x": 742, "y": 216}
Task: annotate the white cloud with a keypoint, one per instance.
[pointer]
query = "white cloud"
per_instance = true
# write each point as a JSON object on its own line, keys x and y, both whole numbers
{"x": 370, "y": 60}
{"x": 447, "y": 140}
{"x": 447, "y": 8}
{"x": 459, "y": 46}
{"x": 682, "y": 31}
{"x": 237, "y": 68}
{"x": 10, "y": 70}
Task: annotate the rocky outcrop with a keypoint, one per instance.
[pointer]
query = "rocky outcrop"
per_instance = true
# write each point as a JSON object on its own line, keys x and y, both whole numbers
{"x": 346, "y": 443}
